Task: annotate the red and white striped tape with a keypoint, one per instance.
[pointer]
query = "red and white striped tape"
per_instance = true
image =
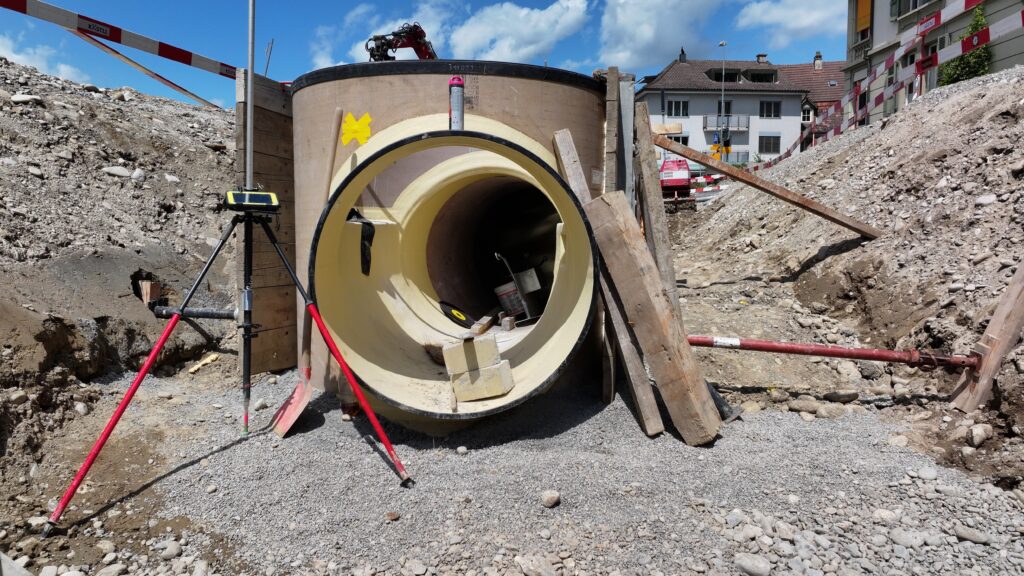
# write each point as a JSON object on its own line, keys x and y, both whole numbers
{"x": 104, "y": 31}
{"x": 706, "y": 179}
{"x": 909, "y": 41}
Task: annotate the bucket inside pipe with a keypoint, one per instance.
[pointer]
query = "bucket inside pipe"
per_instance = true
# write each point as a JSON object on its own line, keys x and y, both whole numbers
{"x": 443, "y": 207}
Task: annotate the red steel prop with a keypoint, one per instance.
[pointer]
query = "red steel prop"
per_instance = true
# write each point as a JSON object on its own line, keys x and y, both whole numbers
{"x": 910, "y": 357}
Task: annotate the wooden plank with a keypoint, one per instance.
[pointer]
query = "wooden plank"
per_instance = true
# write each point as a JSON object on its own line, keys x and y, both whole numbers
{"x": 657, "y": 329}
{"x": 267, "y": 94}
{"x": 1001, "y": 335}
{"x": 655, "y": 223}
{"x": 611, "y": 140}
{"x": 763, "y": 185}
{"x": 626, "y": 110}
{"x": 667, "y": 128}
{"x": 616, "y": 329}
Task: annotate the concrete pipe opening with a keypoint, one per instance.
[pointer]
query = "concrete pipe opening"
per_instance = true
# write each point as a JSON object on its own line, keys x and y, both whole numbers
{"x": 462, "y": 198}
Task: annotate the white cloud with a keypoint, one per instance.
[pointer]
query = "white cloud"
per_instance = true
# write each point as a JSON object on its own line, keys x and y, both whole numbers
{"x": 41, "y": 57}
{"x": 789, "y": 19}
{"x": 578, "y": 65}
{"x": 515, "y": 33}
{"x": 322, "y": 46}
{"x": 433, "y": 15}
{"x": 641, "y": 33}
{"x": 360, "y": 15}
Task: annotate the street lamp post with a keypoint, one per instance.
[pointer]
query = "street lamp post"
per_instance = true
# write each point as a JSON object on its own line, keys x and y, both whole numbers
{"x": 721, "y": 106}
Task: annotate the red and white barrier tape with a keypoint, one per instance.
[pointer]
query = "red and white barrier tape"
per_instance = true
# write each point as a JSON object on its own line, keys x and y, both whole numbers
{"x": 909, "y": 41}
{"x": 104, "y": 31}
{"x": 706, "y": 179}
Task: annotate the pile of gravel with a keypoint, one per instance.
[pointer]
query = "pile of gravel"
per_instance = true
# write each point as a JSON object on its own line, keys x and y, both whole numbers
{"x": 826, "y": 496}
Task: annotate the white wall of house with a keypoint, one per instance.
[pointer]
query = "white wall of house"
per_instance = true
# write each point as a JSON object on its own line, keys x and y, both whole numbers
{"x": 702, "y": 105}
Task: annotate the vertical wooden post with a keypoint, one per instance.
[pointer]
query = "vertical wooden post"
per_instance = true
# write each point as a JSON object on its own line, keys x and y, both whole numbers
{"x": 655, "y": 223}
{"x": 611, "y": 139}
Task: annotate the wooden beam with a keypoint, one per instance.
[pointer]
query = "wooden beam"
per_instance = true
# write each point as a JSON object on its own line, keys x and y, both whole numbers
{"x": 667, "y": 128}
{"x": 655, "y": 223}
{"x": 626, "y": 111}
{"x": 615, "y": 327}
{"x": 658, "y": 331}
{"x": 763, "y": 185}
{"x": 1002, "y": 334}
{"x": 611, "y": 140}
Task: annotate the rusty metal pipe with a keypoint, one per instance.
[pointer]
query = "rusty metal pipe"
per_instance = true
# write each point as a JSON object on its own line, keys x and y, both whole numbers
{"x": 909, "y": 357}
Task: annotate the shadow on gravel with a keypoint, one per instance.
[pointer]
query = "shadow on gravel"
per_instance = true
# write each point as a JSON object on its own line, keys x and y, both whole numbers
{"x": 562, "y": 408}
{"x": 313, "y": 416}
{"x": 180, "y": 467}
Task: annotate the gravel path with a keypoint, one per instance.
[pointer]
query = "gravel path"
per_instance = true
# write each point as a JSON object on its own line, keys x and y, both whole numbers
{"x": 820, "y": 497}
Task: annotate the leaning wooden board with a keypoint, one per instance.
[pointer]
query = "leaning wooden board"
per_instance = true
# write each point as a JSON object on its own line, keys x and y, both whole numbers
{"x": 1002, "y": 334}
{"x": 772, "y": 188}
{"x": 657, "y": 328}
{"x": 615, "y": 326}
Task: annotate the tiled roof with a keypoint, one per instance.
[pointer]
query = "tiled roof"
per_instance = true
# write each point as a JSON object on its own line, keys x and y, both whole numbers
{"x": 815, "y": 82}
{"x": 692, "y": 75}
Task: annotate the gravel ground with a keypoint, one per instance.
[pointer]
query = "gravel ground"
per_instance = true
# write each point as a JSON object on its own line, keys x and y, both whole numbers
{"x": 819, "y": 497}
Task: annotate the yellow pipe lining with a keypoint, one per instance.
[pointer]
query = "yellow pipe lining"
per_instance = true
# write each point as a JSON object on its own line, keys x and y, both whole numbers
{"x": 382, "y": 321}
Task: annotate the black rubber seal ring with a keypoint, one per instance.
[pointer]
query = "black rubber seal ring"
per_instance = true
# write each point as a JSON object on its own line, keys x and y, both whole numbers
{"x": 336, "y": 194}
{"x": 448, "y": 67}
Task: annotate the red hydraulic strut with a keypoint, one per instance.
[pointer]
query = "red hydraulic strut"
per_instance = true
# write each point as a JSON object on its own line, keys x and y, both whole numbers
{"x": 910, "y": 357}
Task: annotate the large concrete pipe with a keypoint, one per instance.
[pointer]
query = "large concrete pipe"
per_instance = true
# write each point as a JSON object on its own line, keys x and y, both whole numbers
{"x": 441, "y": 205}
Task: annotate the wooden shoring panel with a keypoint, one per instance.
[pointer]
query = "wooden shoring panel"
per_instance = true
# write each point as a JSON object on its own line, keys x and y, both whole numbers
{"x": 274, "y": 171}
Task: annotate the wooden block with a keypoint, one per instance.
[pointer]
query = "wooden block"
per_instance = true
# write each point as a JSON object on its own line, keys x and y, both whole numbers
{"x": 484, "y": 383}
{"x": 150, "y": 290}
{"x": 607, "y": 355}
{"x": 468, "y": 355}
{"x": 812, "y": 206}
{"x": 658, "y": 330}
{"x": 508, "y": 323}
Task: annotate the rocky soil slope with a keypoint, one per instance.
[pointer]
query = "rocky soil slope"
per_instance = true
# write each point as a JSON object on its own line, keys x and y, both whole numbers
{"x": 98, "y": 189}
{"x": 944, "y": 179}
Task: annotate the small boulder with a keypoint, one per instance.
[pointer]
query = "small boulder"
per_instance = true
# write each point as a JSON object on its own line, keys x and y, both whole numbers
{"x": 804, "y": 404}
{"x": 971, "y": 535}
{"x": 830, "y": 411}
{"x": 550, "y": 498}
{"x": 119, "y": 171}
{"x": 978, "y": 434}
{"x": 26, "y": 99}
{"x": 844, "y": 396}
{"x": 753, "y": 564}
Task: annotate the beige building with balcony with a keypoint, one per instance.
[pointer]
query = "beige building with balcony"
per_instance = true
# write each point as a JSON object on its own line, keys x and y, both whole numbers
{"x": 873, "y": 34}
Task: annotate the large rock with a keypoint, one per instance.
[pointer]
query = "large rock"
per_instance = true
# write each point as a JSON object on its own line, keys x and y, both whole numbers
{"x": 971, "y": 535}
{"x": 535, "y": 565}
{"x": 113, "y": 570}
{"x": 978, "y": 434}
{"x": 9, "y": 568}
{"x": 844, "y": 396}
{"x": 26, "y": 99}
{"x": 753, "y": 564}
{"x": 804, "y": 404}
{"x": 848, "y": 370}
{"x": 119, "y": 171}
{"x": 830, "y": 411}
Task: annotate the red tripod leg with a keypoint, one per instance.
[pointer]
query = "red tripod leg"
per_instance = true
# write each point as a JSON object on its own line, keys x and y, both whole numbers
{"x": 111, "y": 424}
{"x": 358, "y": 391}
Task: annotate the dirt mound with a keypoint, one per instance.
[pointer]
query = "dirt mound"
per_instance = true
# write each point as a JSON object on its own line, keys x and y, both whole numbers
{"x": 943, "y": 178}
{"x": 97, "y": 188}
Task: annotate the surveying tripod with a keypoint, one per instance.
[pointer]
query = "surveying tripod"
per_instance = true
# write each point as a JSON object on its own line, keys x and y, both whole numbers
{"x": 253, "y": 208}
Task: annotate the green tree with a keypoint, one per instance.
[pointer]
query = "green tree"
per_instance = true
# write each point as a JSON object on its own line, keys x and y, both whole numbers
{"x": 976, "y": 63}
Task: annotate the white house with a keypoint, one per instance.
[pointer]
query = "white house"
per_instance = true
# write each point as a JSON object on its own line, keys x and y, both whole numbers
{"x": 763, "y": 107}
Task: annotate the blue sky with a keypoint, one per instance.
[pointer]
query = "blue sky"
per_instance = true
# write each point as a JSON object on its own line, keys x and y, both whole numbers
{"x": 640, "y": 36}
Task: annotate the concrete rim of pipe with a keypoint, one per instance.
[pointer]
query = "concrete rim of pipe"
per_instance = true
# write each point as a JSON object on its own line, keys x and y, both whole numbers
{"x": 382, "y": 320}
